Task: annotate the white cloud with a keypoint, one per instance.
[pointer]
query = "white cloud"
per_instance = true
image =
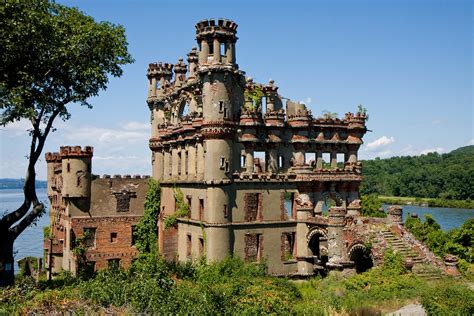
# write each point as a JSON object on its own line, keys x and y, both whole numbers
{"x": 137, "y": 126}
{"x": 432, "y": 150}
{"x": 382, "y": 141}
{"x": 97, "y": 135}
{"x": 471, "y": 142}
{"x": 307, "y": 100}
{"x": 17, "y": 128}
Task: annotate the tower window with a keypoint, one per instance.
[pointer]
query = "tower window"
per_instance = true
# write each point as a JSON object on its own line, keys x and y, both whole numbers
{"x": 280, "y": 162}
{"x": 222, "y": 163}
{"x": 226, "y": 211}
{"x": 113, "y": 237}
{"x": 242, "y": 161}
{"x": 221, "y": 106}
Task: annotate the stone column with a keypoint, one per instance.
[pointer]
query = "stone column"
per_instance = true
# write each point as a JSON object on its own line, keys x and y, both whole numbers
{"x": 304, "y": 207}
{"x": 166, "y": 164}
{"x": 319, "y": 160}
{"x": 153, "y": 87}
{"x": 336, "y": 248}
{"x": 249, "y": 161}
{"x": 204, "y": 52}
{"x": 184, "y": 163}
{"x": 174, "y": 162}
{"x": 333, "y": 159}
{"x": 200, "y": 160}
{"x": 273, "y": 161}
{"x": 158, "y": 165}
{"x": 192, "y": 161}
{"x": 229, "y": 52}
{"x": 217, "y": 51}
{"x": 395, "y": 214}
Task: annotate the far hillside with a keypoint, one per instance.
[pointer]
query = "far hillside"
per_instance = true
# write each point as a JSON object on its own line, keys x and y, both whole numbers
{"x": 446, "y": 176}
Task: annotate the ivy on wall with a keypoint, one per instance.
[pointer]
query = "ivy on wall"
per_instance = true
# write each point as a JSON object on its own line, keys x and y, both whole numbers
{"x": 182, "y": 209}
{"x": 146, "y": 231}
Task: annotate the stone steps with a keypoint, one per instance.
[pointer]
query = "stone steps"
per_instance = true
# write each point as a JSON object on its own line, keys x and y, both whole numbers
{"x": 419, "y": 268}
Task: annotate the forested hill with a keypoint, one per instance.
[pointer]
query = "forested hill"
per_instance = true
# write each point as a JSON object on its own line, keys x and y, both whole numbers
{"x": 446, "y": 176}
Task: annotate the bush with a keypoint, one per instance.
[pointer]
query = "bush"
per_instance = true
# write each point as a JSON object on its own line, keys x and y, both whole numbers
{"x": 448, "y": 298}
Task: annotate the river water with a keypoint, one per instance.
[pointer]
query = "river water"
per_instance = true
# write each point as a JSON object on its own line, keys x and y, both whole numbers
{"x": 30, "y": 242}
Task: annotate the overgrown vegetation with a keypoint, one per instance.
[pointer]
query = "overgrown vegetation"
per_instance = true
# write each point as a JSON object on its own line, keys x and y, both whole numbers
{"x": 447, "y": 177}
{"x": 231, "y": 286}
{"x": 371, "y": 206}
{"x": 255, "y": 94}
{"x": 146, "y": 231}
{"x": 457, "y": 241}
{"x": 182, "y": 209}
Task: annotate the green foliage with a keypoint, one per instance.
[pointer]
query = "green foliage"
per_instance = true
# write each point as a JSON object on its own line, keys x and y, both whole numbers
{"x": 458, "y": 242}
{"x": 146, "y": 231}
{"x": 53, "y": 55}
{"x": 182, "y": 209}
{"x": 47, "y": 232}
{"x": 448, "y": 298}
{"x": 368, "y": 291}
{"x": 330, "y": 115}
{"x": 363, "y": 111}
{"x": 371, "y": 206}
{"x": 255, "y": 94}
{"x": 443, "y": 177}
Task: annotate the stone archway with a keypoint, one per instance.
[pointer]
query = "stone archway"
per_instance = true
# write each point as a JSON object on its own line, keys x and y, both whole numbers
{"x": 315, "y": 239}
{"x": 361, "y": 256}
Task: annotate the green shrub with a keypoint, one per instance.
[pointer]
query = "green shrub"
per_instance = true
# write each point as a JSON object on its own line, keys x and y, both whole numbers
{"x": 448, "y": 298}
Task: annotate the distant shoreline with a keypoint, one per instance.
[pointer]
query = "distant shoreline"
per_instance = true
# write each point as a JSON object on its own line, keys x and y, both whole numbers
{"x": 7, "y": 183}
{"x": 431, "y": 202}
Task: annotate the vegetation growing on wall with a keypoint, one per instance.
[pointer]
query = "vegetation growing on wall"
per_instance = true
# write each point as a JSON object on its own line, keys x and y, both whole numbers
{"x": 446, "y": 176}
{"x": 182, "y": 209}
{"x": 146, "y": 231}
{"x": 255, "y": 94}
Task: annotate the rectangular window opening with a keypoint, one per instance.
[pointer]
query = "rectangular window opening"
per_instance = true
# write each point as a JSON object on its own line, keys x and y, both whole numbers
{"x": 310, "y": 159}
{"x": 253, "y": 247}
{"x": 201, "y": 246}
{"x": 242, "y": 161}
{"x": 259, "y": 159}
{"x": 226, "y": 212}
{"x": 188, "y": 245}
{"x": 281, "y": 162}
{"x": 113, "y": 237}
{"x": 201, "y": 209}
{"x": 326, "y": 160}
{"x": 287, "y": 246}
{"x": 340, "y": 160}
{"x": 89, "y": 237}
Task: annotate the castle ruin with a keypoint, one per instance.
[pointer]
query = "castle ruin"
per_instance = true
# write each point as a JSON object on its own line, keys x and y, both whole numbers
{"x": 261, "y": 179}
{"x": 235, "y": 151}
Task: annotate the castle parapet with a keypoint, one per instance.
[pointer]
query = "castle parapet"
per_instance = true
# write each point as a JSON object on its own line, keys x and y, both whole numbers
{"x": 76, "y": 151}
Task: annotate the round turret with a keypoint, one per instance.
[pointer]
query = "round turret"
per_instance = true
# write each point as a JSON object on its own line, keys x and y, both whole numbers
{"x": 180, "y": 72}
{"x": 158, "y": 73}
{"x": 52, "y": 160}
{"x": 216, "y": 40}
{"x": 76, "y": 171}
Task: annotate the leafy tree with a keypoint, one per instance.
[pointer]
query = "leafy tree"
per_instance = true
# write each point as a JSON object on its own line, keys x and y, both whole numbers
{"x": 52, "y": 56}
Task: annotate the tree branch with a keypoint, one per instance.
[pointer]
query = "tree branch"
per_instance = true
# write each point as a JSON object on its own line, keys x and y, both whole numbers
{"x": 28, "y": 220}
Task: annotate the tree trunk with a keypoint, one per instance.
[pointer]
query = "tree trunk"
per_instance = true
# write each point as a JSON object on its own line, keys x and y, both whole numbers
{"x": 7, "y": 273}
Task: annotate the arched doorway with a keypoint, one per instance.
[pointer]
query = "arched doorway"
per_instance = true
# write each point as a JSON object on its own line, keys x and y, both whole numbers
{"x": 317, "y": 244}
{"x": 362, "y": 257}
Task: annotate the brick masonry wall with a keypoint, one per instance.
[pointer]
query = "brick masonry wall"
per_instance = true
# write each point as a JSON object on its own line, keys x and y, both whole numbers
{"x": 106, "y": 249}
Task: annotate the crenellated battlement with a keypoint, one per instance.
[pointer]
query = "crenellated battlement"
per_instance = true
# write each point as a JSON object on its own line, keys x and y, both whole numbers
{"x": 159, "y": 70}
{"x": 76, "y": 151}
{"x": 120, "y": 177}
{"x": 212, "y": 27}
{"x": 52, "y": 157}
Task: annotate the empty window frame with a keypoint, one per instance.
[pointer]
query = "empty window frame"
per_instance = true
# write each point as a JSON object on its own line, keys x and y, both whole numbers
{"x": 287, "y": 246}
{"x": 253, "y": 247}
{"x": 113, "y": 237}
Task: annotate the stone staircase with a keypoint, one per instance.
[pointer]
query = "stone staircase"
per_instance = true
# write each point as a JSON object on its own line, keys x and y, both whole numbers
{"x": 420, "y": 268}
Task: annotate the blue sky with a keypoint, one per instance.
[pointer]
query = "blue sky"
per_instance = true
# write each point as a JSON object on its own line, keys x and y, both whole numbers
{"x": 409, "y": 63}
